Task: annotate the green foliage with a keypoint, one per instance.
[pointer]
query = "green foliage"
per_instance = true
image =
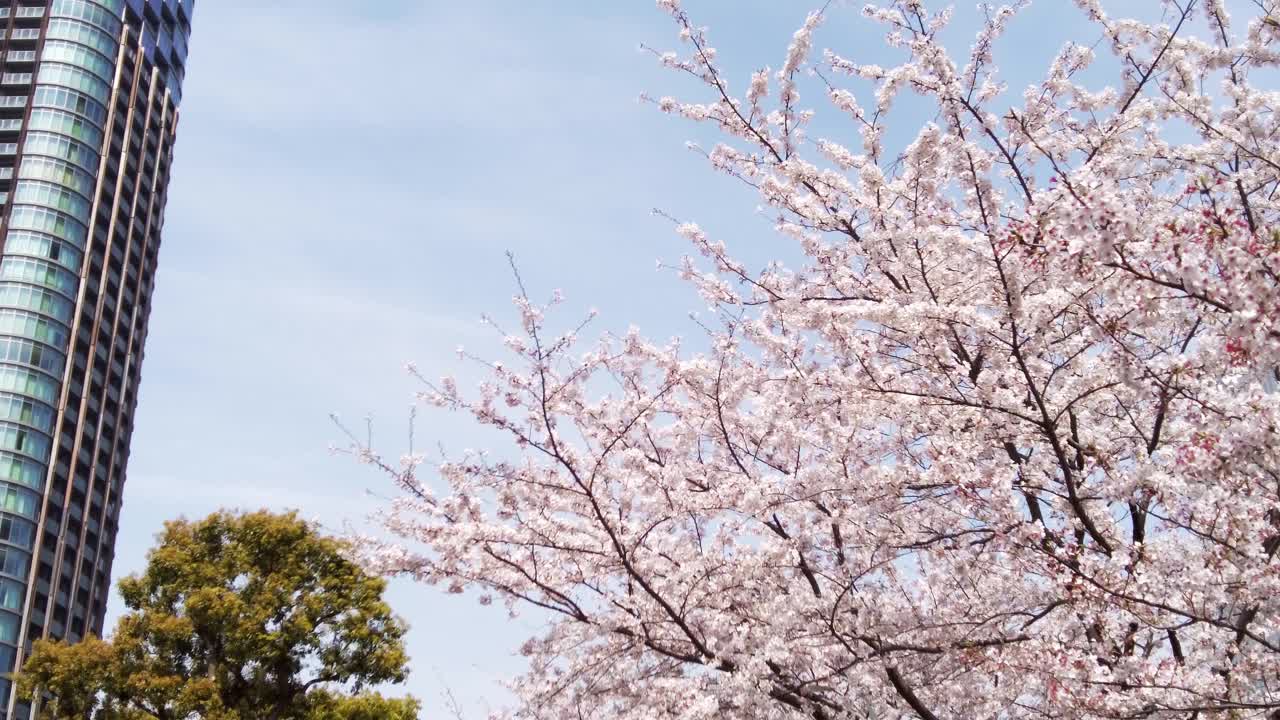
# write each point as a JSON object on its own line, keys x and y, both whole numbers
{"x": 237, "y": 617}
{"x": 366, "y": 706}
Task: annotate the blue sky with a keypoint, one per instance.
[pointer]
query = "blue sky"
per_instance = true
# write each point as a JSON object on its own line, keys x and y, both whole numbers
{"x": 348, "y": 178}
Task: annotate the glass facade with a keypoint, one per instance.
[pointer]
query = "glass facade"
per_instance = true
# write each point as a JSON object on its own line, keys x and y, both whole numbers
{"x": 89, "y": 91}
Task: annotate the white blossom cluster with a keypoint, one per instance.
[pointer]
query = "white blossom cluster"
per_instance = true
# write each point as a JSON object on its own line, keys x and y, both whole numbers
{"x": 1005, "y": 445}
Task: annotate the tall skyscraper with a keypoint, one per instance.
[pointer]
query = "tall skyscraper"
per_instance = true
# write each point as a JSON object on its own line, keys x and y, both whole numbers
{"x": 89, "y": 92}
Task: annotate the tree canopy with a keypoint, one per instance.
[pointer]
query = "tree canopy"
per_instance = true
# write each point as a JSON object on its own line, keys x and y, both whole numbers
{"x": 251, "y": 616}
{"x": 1001, "y": 443}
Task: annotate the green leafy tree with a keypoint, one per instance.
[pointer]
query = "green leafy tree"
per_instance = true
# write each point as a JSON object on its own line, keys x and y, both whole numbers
{"x": 237, "y": 617}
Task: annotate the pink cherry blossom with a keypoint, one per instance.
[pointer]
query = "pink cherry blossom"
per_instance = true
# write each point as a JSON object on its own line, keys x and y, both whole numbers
{"x": 1006, "y": 444}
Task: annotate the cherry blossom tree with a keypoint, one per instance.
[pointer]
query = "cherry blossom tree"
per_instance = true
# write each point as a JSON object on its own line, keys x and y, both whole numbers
{"x": 1004, "y": 445}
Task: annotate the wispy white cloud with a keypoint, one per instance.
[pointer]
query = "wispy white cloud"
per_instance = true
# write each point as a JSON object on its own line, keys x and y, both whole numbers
{"x": 429, "y": 66}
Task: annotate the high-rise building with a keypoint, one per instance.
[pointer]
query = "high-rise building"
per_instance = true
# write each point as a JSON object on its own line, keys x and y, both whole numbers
{"x": 89, "y": 92}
